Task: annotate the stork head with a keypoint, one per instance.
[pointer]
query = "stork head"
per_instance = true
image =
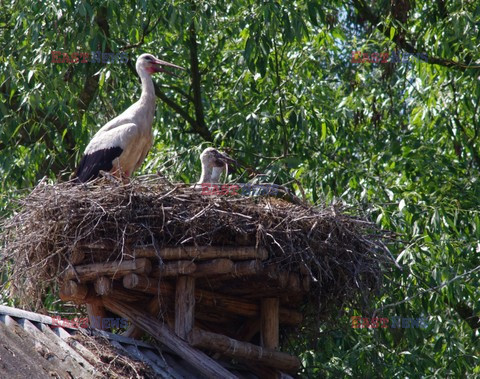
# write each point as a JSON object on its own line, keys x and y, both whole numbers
{"x": 214, "y": 163}
{"x": 151, "y": 65}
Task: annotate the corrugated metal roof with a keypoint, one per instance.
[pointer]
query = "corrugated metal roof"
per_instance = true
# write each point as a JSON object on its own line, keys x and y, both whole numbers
{"x": 32, "y": 346}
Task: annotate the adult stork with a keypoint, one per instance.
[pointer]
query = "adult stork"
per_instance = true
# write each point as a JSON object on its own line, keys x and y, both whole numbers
{"x": 214, "y": 163}
{"x": 122, "y": 144}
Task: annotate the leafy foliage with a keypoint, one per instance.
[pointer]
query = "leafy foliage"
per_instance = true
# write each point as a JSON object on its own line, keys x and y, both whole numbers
{"x": 279, "y": 90}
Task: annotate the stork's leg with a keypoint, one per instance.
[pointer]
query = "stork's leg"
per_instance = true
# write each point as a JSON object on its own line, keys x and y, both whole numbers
{"x": 121, "y": 175}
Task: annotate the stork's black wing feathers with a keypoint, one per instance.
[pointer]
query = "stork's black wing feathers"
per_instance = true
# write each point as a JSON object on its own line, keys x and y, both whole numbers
{"x": 92, "y": 163}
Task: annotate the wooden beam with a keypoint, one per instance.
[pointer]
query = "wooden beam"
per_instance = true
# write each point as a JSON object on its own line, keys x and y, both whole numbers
{"x": 173, "y": 269}
{"x": 71, "y": 290}
{"x": 273, "y": 271}
{"x": 270, "y": 322}
{"x": 103, "y": 285}
{"x": 146, "y": 284}
{"x": 294, "y": 281}
{"x": 184, "y": 306}
{"x": 118, "y": 292}
{"x": 218, "y": 301}
{"x": 114, "y": 269}
{"x": 243, "y": 350}
{"x": 133, "y": 331}
{"x": 213, "y": 267}
{"x": 246, "y": 268}
{"x": 162, "y": 333}
{"x": 202, "y": 252}
{"x": 95, "y": 312}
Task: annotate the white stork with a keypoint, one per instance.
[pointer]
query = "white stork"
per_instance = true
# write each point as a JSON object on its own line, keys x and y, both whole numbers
{"x": 214, "y": 164}
{"x": 121, "y": 145}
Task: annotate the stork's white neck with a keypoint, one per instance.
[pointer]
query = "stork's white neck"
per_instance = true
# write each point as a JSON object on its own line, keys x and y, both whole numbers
{"x": 148, "y": 91}
{"x": 206, "y": 176}
{"x": 216, "y": 172}
{"x": 210, "y": 174}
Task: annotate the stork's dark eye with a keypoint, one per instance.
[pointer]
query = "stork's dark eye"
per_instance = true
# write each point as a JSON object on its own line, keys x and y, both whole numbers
{"x": 148, "y": 58}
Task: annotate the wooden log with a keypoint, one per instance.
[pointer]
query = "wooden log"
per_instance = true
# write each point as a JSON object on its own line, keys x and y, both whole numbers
{"x": 95, "y": 312}
{"x": 202, "y": 252}
{"x": 217, "y": 318}
{"x": 103, "y": 285}
{"x": 133, "y": 331}
{"x": 225, "y": 303}
{"x": 294, "y": 281}
{"x": 118, "y": 292}
{"x": 243, "y": 350}
{"x": 115, "y": 269}
{"x": 221, "y": 302}
{"x": 71, "y": 290}
{"x": 161, "y": 332}
{"x": 213, "y": 267}
{"x": 146, "y": 284}
{"x": 256, "y": 288}
{"x": 273, "y": 271}
{"x": 241, "y": 307}
{"x": 241, "y": 269}
{"x": 246, "y": 268}
{"x": 184, "y": 306}
{"x": 270, "y": 322}
{"x": 115, "y": 291}
{"x": 173, "y": 269}
{"x": 102, "y": 256}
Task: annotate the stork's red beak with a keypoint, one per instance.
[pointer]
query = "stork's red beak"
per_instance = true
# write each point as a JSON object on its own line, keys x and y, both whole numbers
{"x": 159, "y": 64}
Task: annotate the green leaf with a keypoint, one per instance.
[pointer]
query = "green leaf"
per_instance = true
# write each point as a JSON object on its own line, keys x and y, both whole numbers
{"x": 392, "y": 33}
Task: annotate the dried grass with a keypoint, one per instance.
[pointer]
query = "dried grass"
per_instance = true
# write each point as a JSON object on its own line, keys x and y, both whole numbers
{"x": 345, "y": 254}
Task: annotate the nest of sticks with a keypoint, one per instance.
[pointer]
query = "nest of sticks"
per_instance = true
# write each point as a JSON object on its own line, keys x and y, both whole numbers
{"x": 343, "y": 255}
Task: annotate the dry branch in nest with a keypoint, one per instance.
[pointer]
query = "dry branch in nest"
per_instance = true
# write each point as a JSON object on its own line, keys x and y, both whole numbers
{"x": 343, "y": 255}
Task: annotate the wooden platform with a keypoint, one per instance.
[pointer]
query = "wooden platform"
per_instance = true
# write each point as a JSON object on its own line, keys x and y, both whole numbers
{"x": 195, "y": 300}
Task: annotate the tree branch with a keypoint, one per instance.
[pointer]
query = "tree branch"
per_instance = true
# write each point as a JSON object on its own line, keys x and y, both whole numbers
{"x": 90, "y": 86}
{"x": 196, "y": 85}
{"x": 467, "y": 314}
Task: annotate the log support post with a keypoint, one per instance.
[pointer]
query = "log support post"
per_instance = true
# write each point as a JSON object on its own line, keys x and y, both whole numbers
{"x": 184, "y": 306}
{"x": 269, "y": 311}
{"x": 96, "y": 313}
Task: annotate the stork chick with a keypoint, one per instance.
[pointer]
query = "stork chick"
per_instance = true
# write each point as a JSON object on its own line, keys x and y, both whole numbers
{"x": 214, "y": 163}
{"x": 121, "y": 145}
